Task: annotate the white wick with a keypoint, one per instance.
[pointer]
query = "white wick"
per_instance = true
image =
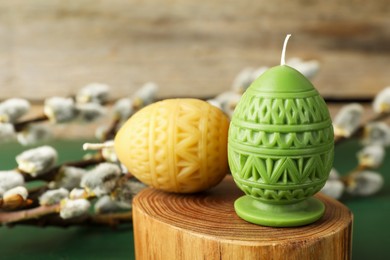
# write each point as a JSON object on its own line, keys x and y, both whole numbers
{"x": 89, "y": 146}
{"x": 282, "y": 60}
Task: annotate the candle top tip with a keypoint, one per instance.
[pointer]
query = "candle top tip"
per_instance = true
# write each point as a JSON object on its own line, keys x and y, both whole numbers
{"x": 282, "y": 79}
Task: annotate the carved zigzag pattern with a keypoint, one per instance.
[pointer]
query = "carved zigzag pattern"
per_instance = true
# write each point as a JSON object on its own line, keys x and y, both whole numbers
{"x": 138, "y": 148}
{"x": 284, "y": 170}
{"x": 283, "y": 140}
{"x": 265, "y": 176}
{"x": 159, "y": 162}
{"x": 179, "y": 147}
{"x": 277, "y": 111}
{"x": 216, "y": 153}
{"x": 151, "y": 150}
{"x": 187, "y": 144}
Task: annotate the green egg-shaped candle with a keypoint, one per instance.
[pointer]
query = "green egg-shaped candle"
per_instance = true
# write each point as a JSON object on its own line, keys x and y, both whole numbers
{"x": 280, "y": 149}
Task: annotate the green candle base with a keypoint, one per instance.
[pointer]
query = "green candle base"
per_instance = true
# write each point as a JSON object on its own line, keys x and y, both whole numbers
{"x": 279, "y": 215}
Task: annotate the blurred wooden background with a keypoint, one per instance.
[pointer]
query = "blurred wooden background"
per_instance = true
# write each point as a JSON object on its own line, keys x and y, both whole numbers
{"x": 188, "y": 47}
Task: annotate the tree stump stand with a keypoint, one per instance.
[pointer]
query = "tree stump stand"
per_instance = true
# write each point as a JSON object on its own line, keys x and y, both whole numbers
{"x": 171, "y": 226}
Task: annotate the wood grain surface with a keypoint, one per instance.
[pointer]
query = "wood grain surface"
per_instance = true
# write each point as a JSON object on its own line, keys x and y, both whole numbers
{"x": 205, "y": 226}
{"x": 190, "y": 48}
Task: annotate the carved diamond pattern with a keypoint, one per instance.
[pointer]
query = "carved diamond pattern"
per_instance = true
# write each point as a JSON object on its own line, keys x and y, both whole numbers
{"x": 279, "y": 111}
{"x": 264, "y": 114}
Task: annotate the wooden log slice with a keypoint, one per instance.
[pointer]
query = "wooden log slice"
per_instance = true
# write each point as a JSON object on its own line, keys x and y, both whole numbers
{"x": 205, "y": 226}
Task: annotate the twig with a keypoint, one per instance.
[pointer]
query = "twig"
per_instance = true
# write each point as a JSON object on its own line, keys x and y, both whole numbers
{"x": 16, "y": 216}
{"x": 85, "y": 163}
{"x": 111, "y": 131}
{"x": 46, "y": 216}
{"x": 20, "y": 126}
{"x": 112, "y": 219}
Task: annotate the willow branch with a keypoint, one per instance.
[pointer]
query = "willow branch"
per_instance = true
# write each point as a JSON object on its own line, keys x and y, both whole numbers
{"x": 112, "y": 219}
{"x": 85, "y": 163}
{"x": 35, "y": 213}
{"x": 47, "y": 216}
{"x": 111, "y": 131}
{"x": 51, "y": 174}
{"x": 346, "y": 179}
{"x": 20, "y": 126}
{"x": 360, "y": 130}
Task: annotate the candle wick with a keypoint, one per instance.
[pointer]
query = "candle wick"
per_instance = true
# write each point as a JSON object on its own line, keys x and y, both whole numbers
{"x": 282, "y": 60}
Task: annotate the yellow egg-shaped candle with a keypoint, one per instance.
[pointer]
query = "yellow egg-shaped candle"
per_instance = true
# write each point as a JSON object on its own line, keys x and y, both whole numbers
{"x": 176, "y": 145}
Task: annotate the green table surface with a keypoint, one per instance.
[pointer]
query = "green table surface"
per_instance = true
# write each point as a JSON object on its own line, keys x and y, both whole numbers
{"x": 370, "y": 230}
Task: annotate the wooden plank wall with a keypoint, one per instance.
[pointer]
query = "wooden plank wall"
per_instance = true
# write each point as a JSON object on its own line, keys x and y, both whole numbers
{"x": 188, "y": 47}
